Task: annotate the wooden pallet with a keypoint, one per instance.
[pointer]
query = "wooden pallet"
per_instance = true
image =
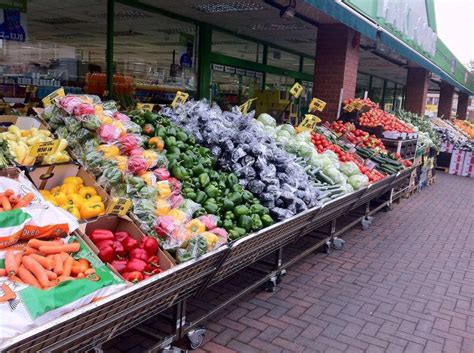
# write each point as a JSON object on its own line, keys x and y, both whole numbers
{"x": 446, "y": 170}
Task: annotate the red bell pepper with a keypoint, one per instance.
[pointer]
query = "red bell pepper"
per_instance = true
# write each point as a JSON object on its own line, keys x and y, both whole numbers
{"x": 121, "y": 236}
{"x": 119, "y": 265}
{"x": 152, "y": 264}
{"x": 133, "y": 276}
{"x": 139, "y": 254}
{"x": 135, "y": 265}
{"x": 129, "y": 244}
{"x": 98, "y": 235}
{"x": 103, "y": 243}
{"x": 119, "y": 249}
{"x": 107, "y": 253}
{"x": 150, "y": 244}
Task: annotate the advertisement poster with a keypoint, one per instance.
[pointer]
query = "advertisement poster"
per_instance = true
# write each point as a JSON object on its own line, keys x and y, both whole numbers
{"x": 12, "y": 25}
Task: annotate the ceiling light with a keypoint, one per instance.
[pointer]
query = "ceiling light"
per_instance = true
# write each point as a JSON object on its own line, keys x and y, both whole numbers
{"x": 278, "y": 27}
{"x": 236, "y": 6}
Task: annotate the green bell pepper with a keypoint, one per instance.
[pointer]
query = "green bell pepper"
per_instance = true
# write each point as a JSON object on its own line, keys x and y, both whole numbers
{"x": 170, "y": 141}
{"x": 204, "y": 180}
{"x": 241, "y": 231}
{"x": 247, "y": 195}
{"x": 211, "y": 191}
{"x": 181, "y": 136}
{"x": 233, "y": 234}
{"x": 257, "y": 209}
{"x": 241, "y": 210}
{"x": 211, "y": 207}
{"x": 229, "y": 215}
{"x": 245, "y": 222}
{"x": 232, "y": 180}
{"x": 171, "y": 131}
{"x": 228, "y": 224}
{"x": 256, "y": 222}
{"x": 179, "y": 172}
{"x": 228, "y": 205}
{"x": 201, "y": 197}
{"x": 266, "y": 220}
{"x": 235, "y": 197}
{"x": 198, "y": 169}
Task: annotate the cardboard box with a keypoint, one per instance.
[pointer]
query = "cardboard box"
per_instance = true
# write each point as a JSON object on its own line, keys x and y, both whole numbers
{"x": 457, "y": 160}
{"x": 124, "y": 224}
{"x": 47, "y": 177}
{"x": 468, "y": 163}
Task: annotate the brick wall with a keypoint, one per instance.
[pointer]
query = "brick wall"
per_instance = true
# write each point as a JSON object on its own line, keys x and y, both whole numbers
{"x": 416, "y": 90}
{"x": 463, "y": 99}
{"x": 446, "y": 94}
{"x": 336, "y": 63}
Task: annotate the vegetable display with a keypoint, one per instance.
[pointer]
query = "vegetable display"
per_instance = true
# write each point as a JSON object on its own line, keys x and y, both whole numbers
{"x": 264, "y": 169}
{"x": 427, "y": 137}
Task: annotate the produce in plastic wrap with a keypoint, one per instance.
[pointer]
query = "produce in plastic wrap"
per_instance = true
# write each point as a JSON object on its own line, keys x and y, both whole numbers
{"x": 250, "y": 153}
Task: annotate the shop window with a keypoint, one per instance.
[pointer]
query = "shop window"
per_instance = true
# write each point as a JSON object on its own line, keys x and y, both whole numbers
{"x": 227, "y": 44}
{"x": 282, "y": 59}
{"x": 375, "y": 92}
{"x": 362, "y": 85}
{"x": 389, "y": 96}
{"x": 154, "y": 56}
{"x": 51, "y": 49}
{"x": 308, "y": 66}
{"x": 399, "y": 96}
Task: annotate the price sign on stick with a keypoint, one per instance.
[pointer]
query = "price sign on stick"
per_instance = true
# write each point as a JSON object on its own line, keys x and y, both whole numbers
{"x": 118, "y": 206}
{"x": 296, "y": 90}
{"x": 180, "y": 98}
{"x": 309, "y": 122}
{"x": 145, "y": 106}
{"x": 244, "y": 108}
{"x": 50, "y": 98}
{"x": 317, "y": 104}
{"x": 43, "y": 149}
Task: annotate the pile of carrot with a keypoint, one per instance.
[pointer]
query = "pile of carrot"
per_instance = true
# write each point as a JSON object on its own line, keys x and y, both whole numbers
{"x": 10, "y": 201}
{"x": 45, "y": 264}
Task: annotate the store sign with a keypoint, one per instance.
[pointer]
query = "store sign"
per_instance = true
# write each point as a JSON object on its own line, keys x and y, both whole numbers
{"x": 250, "y": 73}
{"x": 244, "y": 108}
{"x": 43, "y": 149}
{"x": 180, "y": 98}
{"x": 408, "y": 20}
{"x": 240, "y": 72}
{"x": 118, "y": 206}
{"x": 217, "y": 67}
{"x": 259, "y": 74}
{"x": 50, "y": 98}
{"x": 229, "y": 69}
{"x": 13, "y": 25}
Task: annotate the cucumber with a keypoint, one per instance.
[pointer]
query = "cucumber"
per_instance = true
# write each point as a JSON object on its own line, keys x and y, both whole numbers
{"x": 323, "y": 177}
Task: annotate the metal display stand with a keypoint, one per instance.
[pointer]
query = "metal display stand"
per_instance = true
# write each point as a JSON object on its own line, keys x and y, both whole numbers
{"x": 263, "y": 253}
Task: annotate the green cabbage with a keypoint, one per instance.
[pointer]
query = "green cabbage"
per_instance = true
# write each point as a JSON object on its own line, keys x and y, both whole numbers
{"x": 267, "y": 120}
{"x": 358, "y": 181}
{"x": 349, "y": 168}
{"x": 287, "y": 127}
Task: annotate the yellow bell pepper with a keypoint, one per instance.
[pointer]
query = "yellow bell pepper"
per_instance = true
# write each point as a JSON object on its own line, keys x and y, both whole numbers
{"x": 164, "y": 189}
{"x": 76, "y": 199}
{"x": 177, "y": 215}
{"x": 55, "y": 189}
{"x": 95, "y": 198}
{"x": 73, "y": 180}
{"x": 92, "y": 209}
{"x": 109, "y": 151}
{"x": 60, "y": 197}
{"x": 118, "y": 124}
{"x": 45, "y": 193}
{"x": 212, "y": 240}
{"x": 149, "y": 178}
{"x": 195, "y": 226}
{"x": 121, "y": 162}
{"x": 51, "y": 199}
{"x": 69, "y": 188}
{"x": 151, "y": 157}
{"x": 162, "y": 208}
{"x": 105, "y": 119}
{"x": 72, "y": 210}
{"x": 87, "y": 192}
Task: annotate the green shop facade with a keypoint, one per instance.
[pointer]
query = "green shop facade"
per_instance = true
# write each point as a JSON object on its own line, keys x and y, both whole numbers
{"x": 229, "y": 51}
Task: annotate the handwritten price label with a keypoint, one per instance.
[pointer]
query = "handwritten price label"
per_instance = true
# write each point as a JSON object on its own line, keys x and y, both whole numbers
{"x": 244, "y": 108}
{"x": 180, "y": 98}
{"x": 296, "y": 90}
{"x": 43, "y": 149}
{"x": 118, "y": 206}
{"x": 145, "y": 106}
{"x": 50, "y": 98}
{"x": 317, "y": 104}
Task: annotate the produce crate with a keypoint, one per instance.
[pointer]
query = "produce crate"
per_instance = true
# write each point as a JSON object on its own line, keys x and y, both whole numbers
{"x": 102, "y": 320}
{"x": 253, "y": 247}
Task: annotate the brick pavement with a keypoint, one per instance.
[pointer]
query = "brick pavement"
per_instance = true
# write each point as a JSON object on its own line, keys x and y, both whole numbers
{"x": 404, "y": 285}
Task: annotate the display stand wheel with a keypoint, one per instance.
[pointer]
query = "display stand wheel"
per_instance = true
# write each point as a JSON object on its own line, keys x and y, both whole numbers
{"x": 327, "y": 247}
{"x": 280, "y": 276}
{"x": 195, "y": 337}
{"x": 270, "y": 286}
{"x": 172, "y": 349}
{"x": 366, "y": 222}
{"x": 338, "y": 243}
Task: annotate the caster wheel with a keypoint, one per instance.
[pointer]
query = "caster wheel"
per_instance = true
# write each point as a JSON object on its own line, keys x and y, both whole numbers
{"x": 338, "y": 243}
{"x": 195, "y": 338}
{"x": 270, "y": 286}
{"x": 365, "y": 223}
{"x": 280, "y": 276}
{"x": 327, "y": 248}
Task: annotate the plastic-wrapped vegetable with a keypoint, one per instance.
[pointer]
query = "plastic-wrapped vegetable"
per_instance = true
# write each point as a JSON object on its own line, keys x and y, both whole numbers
{"x": 358, "y": 181}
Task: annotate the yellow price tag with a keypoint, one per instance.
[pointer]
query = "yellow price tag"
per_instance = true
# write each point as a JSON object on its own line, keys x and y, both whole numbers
{"x": 296, "y": 90}
{"x": 317, "y": 104}
{"x": 244, "y": 108}
{"x": 180, "y": 98}
{"x": 145, "y": 106}
{"x": 309, "y": 122}
{"x": 43, "y": 149}
{"x": 119, "y": 206}
{"x": 349, "y": 108}
{"x": 50, "y": 98}
{"x": 358, "y": 105}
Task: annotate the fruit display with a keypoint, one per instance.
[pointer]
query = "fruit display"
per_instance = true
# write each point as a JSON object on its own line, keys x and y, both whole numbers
{"x": 264, "y": 169}
{"x": 465, "y": 126}
{"x": 358, "y": 104}
{"x": 19, "y": 143}
{"x": 217, "y": 192}
{"x": 356, "y": 136}
{"x": 377, "y": 117}
{"x": 427, "y": 137}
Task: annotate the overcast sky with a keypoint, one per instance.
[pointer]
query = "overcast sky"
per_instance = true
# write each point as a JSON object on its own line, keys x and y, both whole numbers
{"x": 455, "y": 24}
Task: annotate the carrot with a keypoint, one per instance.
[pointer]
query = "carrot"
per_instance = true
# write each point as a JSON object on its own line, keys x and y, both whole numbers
{"x": 9, "y": 192}
{"x": 18, "y": 258}
{"x": 27, "y": 277}
{"x": 36, "y": 243}
{"x": 64, "y": 278}
{"x": 5, "y": 203}
{"x": 80, "y": 275}
{"x": 3, "y": 272}
{"x": 68, "y": 266}
{"x": 29, "y": 251}
{"x": 16, "y": 279}
{"x": 59, "y": 263}
{"x": 11, "y": 265}
{"x": 38, "y": 271}
{"x": 54, "y": 249}
{"x": 1, "y": 209}
{"x": 13, "y": 199}
{"x": 44, "y": 261}
{"x": 51, "y": 275}
{"x": 25, "y": 200}
{"x": 89, "y": 271}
